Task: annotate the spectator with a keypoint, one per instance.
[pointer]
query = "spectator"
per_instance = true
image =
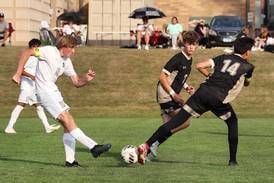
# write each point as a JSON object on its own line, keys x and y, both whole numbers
{"x": 11, "y": 30}
{"x": 144, "y": 30}
{"x": 201, "y": 29}
{"x": 132, "y": 39}
{"x": 261, "y": 39}
{"x": 68, "y": 28}
{"x": 174, "y": 30}
{"x": 270, "y": 43}
{"x": 4, "y": 27}
{"x": 73, "y": 30}
{"x": 244, "y": 33}
{"x": 46, "y": 36}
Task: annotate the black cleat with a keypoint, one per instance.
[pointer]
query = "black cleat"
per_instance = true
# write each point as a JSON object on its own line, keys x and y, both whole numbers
{"x": 97, "y": 150}
{"x": 232, "y": 163}
{"x": 72, "y": 165}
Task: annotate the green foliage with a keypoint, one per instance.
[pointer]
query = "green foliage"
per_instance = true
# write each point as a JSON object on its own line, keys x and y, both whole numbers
{"x": 198, "y": 154}
{"x": 126, "y": 80}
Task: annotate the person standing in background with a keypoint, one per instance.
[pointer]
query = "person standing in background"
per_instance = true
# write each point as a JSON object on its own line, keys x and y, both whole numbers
{"x": 4, "y": 30}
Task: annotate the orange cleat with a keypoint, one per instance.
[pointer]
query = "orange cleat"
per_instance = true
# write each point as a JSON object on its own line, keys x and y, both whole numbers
{"x": 142, "y": 153}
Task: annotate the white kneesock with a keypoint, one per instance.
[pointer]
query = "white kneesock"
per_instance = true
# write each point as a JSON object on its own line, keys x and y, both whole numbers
{"x": 69, "y": 144}
{"x": 82, "y": 138}
{"x": 41, "y": 114}
{"x": 14, "y": 115}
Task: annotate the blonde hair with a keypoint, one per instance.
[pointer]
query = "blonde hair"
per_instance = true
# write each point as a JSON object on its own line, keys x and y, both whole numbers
{"x": 66, "y": 41}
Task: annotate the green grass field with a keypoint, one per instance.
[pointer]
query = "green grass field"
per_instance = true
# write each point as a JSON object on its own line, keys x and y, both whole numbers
{"x": 119, "y": 107}
{"x": 198, "y": 154}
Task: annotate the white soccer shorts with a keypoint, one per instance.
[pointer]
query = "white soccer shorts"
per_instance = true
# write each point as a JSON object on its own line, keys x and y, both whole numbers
{"x": 27, "y": 97}
{"x": 53, "y": 102}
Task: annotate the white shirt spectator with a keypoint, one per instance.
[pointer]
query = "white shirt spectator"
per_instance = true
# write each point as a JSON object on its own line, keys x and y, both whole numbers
{"x": 68, "y": 30}
{"x": 270, "y": 41}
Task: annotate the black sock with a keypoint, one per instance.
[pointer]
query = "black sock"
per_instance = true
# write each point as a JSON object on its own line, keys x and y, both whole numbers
{"x": 232, "y": 124}
{"x": 164, "y": 131}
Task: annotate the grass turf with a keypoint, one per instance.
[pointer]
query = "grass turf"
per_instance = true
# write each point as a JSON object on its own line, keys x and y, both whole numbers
{"x": 199, "y": 154}
{"x": 126, "y": 81}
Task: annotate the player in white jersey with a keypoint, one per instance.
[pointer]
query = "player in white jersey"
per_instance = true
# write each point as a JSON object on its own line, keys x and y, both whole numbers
{"x": 28, "y": 94}
{"x": 53, "y": 62}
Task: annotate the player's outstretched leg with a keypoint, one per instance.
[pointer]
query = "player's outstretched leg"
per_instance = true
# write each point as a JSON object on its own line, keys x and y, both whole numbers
{"x": 98, "y": 149}
{"x": 162, "y": 134}
{"x": 68, "y": 122}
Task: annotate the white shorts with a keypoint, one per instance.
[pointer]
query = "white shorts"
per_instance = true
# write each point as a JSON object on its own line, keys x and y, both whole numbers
{"x": 27, "y": 97}
{"x": 27, "y": 93}
{"x": 53, "y": 102}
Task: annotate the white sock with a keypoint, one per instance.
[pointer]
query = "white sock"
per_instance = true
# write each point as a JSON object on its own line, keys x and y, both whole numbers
{"x": 69, "y": 144}
{"x": 82, "y": 138}
{"x": 41, "y": 114}
{"x": 14, "y": 115}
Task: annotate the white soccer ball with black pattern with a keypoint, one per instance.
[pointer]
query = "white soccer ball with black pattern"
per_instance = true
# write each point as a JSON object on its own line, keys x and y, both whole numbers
{"x": 129, "y": 154}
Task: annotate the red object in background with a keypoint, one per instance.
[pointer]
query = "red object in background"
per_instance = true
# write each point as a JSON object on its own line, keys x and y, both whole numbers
{"x": 11, "y": 29}
{"x": 154, "y": 39}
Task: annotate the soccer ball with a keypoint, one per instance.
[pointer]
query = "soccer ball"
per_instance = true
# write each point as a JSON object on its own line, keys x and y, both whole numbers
{"x": 129, "y": 154}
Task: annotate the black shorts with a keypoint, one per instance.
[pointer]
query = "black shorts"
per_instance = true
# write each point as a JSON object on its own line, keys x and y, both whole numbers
{"x": 204, "y": 100}
{"x": 169, "y": 107}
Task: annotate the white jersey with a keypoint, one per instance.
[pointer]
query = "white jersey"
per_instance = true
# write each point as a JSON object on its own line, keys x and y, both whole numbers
{"x": 27, "y": 85}
{"x": 50, "y": 66}
{"x": 30, "y": 67}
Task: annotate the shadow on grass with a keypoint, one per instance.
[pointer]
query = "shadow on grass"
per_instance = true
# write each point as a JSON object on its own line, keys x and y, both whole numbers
{"x": 243, "y": 135}
{"x": 187, "y": 162}
{"x": 29, "y": 161}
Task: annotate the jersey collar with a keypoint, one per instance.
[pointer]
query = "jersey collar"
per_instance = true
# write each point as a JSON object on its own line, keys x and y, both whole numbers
{"x": 187, "y": 57}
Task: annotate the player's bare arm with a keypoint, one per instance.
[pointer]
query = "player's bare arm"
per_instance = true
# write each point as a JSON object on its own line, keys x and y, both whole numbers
{"x": 28, "y": 75}
{"x": 203, "y": 67}
{"x": 79, "y": 82}
{"x": 20, "y": 68}
{"x": 166, "y": 85}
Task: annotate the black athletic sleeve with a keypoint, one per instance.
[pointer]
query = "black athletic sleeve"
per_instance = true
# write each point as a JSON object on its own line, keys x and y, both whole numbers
{"x": 172, "y": 64}
{"x": 250, "y": 72}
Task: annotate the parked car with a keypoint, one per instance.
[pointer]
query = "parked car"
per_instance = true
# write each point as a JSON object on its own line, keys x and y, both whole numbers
{"x": 223, "y": 30}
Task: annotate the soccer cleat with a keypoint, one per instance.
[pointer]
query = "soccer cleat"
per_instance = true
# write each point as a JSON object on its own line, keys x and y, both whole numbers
{"x": 52, "y": 128}
{"x": 142, "y": 153}
{"x": 153, "y": 149}
{"x": 72, "y": 165}
{"x": 10, "y": 130}
{"x": 139, "y": 47}
{"x": 232, "y": 163}
{"x": 97, "y": 150}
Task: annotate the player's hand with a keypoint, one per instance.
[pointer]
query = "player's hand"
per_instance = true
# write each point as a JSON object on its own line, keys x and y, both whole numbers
{"x": 16, "y": 78}
{"x": 90, "y": 75}
{"x": 190, "y": 90}
{"x": 178, "y": 98}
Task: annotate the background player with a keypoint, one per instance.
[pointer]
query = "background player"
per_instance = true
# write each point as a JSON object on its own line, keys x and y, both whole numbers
{"x": 53, "y": 62}
{"x": 230, "y": 74}
{"x": 28, "y": 94}
{"x": 172, "y": 79}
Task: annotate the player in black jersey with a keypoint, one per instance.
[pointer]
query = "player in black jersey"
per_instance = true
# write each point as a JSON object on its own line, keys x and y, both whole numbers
{"x": 230, "y": 74}
{"x": 172, "y": 80}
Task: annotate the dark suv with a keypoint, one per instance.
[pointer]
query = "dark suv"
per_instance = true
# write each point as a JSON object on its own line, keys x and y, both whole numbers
{"x": 223, "y": 30}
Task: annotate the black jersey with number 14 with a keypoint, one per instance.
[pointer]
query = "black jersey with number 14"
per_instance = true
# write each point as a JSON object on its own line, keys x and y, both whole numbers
{"x": 228, "y": 77}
